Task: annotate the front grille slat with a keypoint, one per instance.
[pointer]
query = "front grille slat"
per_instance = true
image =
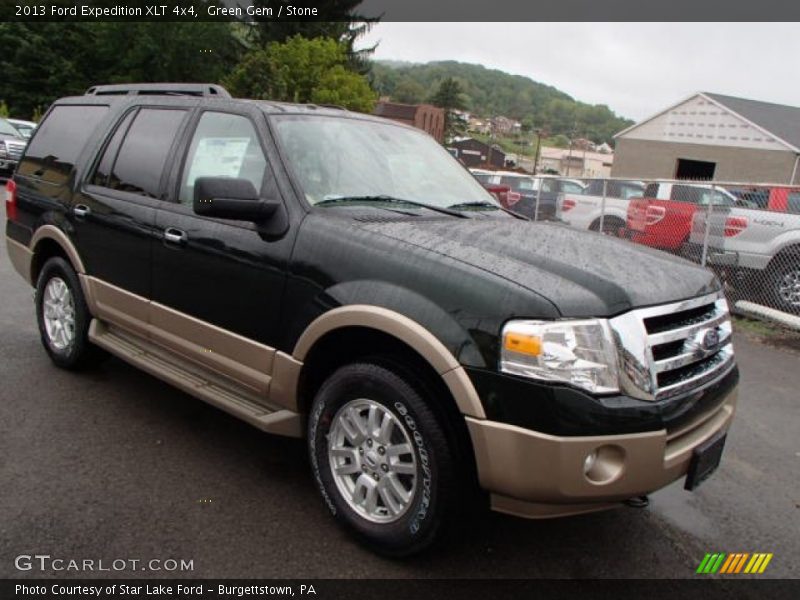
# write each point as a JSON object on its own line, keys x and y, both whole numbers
{"x": 15, "y": 149}
{"x": 686, "y": 358}
{"x": 684, "y": 332}
{"x": 686, "y": 346}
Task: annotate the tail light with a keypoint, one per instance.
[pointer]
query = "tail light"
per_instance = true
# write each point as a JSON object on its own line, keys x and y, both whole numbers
{"x": 11, "y": 200}
{"x": 735, "y": 225}
{"x": 568, "y": 204}
{"x": 655, "y": 214}
{"x": 512, "y": 198}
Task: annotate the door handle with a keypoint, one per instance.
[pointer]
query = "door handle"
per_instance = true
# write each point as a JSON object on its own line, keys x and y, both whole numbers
{"x": 81, "y": 210}
{"x": 175, "y": 236}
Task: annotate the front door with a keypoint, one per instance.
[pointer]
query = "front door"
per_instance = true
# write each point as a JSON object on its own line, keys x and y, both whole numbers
{"x": 218, "y": 284}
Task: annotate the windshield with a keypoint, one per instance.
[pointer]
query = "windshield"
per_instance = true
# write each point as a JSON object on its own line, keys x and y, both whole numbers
{"x": 336, "y": 157}
{"x": 7, "y": 128}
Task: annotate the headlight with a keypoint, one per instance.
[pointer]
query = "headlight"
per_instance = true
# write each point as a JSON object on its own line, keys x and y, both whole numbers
{"x": 579, "y": 352}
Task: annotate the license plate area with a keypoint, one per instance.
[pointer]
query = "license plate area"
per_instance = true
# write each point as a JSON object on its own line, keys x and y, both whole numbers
{"x": 705, "y": 460}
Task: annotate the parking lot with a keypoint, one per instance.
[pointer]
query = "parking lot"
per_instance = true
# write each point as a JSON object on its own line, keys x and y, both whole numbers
{"x": 112, "y": 463}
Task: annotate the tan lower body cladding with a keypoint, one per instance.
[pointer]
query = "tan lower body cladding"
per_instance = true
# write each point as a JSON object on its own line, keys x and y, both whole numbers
{"x": 536, "y": 475}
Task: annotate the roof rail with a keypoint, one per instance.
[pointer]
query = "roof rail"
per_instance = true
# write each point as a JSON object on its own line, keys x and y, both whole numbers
{"x": 159, "y": 89}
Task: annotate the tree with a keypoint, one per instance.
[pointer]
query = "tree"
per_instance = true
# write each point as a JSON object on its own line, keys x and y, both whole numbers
{"x": 302, "y": 70}
{"x": 450, "y": 97}
{"x": 337, "y": 20}
{"x": 408, "y": 91}
{"x": 41, "y": 62}
{"x": 4, "y": 109}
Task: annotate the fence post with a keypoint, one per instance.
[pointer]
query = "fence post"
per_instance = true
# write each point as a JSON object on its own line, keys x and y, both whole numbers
{"x": 603, "y": 204}
{"x": 538, "y": 197}
{"x": 707, "y": 228}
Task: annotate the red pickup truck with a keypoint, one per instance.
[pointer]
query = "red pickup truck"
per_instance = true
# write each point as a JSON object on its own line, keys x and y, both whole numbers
{"x": 662, "y": 218}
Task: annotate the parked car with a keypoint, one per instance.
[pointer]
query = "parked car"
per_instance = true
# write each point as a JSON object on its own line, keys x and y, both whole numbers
{"x": 759, "y": 247}
{"x": 663, "y": 217}
{"x": 25, "y": 128}
{"x": 602, "y": 205}
{"x": 340, "y": 277}
{"x": 12, "y": 145}
{"x": 501, "y": 193}
{"x": 538, "y": 195}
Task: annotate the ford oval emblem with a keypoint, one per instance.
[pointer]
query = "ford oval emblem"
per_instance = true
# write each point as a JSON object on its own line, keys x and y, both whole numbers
{"x": 710, "y": 339}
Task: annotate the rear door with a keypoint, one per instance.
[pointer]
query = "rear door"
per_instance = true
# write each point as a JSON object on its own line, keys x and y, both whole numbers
{"x": 218, "y": 284}
{"x": 113, "y": 215}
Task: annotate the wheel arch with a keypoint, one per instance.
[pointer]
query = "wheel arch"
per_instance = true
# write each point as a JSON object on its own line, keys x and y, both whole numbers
{"x": 364, "y": 330}
{"x": 49, "y": 241}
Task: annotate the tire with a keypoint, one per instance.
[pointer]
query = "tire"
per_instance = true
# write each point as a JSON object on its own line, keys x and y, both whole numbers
{"x": 784, "y": 283}
{"x": 611, "y": 226}
{"x": 364, "y": 497}
{"x": 63, "y": 317}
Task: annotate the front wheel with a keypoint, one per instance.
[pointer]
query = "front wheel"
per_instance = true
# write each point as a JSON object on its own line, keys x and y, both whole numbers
{"x": 784, "y": 289}
{"x": 380, "y": 459}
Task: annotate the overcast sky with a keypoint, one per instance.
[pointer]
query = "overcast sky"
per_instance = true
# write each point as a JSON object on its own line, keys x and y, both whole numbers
{"x": 637, "y": 69}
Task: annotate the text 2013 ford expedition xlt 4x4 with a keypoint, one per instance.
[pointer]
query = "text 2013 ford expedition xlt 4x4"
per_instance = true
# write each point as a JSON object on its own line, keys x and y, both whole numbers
{"x": 337, "y": 276}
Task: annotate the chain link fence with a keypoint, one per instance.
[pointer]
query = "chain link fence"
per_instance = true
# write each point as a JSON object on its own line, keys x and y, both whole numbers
{"x": 748, "y": 234}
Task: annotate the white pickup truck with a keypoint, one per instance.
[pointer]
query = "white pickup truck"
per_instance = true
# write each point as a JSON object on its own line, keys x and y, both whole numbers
{"x": 757, "y": 241}
{"x": 584, "y": 211}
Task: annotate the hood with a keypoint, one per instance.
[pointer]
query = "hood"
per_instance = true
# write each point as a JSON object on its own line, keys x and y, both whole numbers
{"x": 582, "y": 273}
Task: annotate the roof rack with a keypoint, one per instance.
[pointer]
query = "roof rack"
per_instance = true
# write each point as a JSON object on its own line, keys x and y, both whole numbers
{"x": 159, "y": 89}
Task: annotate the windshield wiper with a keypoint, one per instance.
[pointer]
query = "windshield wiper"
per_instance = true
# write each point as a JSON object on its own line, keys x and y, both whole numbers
{"x": 392, "y": 200}
{"x": 480, "y": 204}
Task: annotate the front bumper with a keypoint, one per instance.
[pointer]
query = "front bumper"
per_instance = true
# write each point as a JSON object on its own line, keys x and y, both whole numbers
{"x": 536, "y": 475}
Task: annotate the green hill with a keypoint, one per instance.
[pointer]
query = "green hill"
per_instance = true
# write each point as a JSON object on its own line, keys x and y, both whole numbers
{"x": 490, "y": 92}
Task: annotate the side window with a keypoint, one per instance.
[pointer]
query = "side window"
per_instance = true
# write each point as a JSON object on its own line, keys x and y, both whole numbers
{"x": 651, "y": 190}
{"x": 793, "y": 204}
{"x": 684, "y": 193}
{"x": 571, "y": 188}
{"x": 223, "y": 145}
{"x": 144, "y": 151}
{"x": 549, "y": 185}
{"x": 110, "y": 153}
{"x": 59, "y": 140}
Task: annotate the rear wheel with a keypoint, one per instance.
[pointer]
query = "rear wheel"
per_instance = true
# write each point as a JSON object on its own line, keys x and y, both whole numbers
{"x": 63, "y": 316}
{"x": 381, "y": 460}
{"x": 611, "y": 226}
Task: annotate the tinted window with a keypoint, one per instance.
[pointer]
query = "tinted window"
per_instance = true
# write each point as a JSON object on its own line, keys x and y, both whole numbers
{"x": 683, "y": 193}
{"x": 793, "y": 205}
{"x": 110, "y": 152}
{"x": 651, "y": 191}
{"x": 144, "y": 151}
{"x": 59, "y": 140}
{"x": 223, "y": 145}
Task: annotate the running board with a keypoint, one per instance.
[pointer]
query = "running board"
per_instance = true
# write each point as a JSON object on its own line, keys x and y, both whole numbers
{"x": 196, "y": 381}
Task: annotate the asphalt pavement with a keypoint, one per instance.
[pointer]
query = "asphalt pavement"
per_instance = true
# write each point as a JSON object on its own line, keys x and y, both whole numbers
{"x": 114, "y": 464}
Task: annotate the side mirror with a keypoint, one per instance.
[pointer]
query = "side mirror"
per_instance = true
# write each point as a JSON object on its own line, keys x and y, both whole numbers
{"x": 229, "y": 198}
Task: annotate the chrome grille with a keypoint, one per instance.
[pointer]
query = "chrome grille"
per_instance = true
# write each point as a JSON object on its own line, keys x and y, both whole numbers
{"x": 674, "y": 348}
{"x": 15, "y": 149}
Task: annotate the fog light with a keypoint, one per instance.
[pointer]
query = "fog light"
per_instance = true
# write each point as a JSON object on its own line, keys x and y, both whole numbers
{"x": 589, "y": 461}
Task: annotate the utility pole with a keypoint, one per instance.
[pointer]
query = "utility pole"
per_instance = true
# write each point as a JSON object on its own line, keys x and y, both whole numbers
{"x": 538, "y": 132}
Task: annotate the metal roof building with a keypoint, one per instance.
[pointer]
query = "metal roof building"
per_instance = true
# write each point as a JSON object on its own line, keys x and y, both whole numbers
{"x": 711, "y": 136}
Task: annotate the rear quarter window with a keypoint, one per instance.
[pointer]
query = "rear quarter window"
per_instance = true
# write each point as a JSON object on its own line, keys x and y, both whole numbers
{"x": 59, "y": 141}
